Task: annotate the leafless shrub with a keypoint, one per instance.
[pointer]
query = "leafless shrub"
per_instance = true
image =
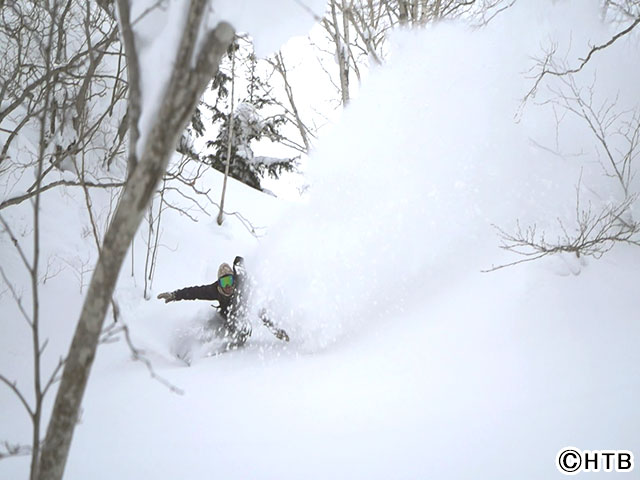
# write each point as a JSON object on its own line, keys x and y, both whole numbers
{"x": 617, "y": 133}
{"x": 8, "y": 449}
{"x": 595, "y": 233}
{"x": 595, "y": 230}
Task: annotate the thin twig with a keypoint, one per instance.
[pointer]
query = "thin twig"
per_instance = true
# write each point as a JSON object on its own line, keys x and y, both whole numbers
{"x": 14, "y": 388}
{"x": 49, "y": 186}
{"x": 16, "y": 297}
{"x": 14, "y": 450}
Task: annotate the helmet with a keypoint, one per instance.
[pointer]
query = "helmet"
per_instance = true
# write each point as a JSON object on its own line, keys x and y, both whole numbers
{"x": 224, "y": 269}
{"x": 224, "y": 272}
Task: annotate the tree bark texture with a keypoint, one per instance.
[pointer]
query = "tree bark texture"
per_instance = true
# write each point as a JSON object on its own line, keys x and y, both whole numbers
{"x": 183, "y": 91}
{"x": 229, "y": 140}
{"x": 342, "y": 55}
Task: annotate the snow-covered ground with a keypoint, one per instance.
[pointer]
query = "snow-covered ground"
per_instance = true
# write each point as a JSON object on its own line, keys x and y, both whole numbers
{"x": 406, "y": 360}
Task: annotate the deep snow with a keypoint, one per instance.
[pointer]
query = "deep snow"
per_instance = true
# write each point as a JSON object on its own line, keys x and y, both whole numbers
{"x": 406, "y": 361}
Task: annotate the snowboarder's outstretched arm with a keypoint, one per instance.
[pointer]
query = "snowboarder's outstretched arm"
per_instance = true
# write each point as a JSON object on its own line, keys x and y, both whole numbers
{"x": 201, "y": 292}
{"x": 278, "y": 332}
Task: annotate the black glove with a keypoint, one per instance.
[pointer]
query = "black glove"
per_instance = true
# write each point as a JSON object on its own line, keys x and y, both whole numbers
{"x": 238, "y": 266}
{"x": 167, "y": 297}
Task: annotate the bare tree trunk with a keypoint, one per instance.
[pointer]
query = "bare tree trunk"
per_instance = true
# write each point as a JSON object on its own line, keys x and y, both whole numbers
{"x": 404, "y": 12}
{"x": 154, "y": 253}
{"x": 183, "y": 91}
{"x": 133, "y": 79}
{"x": 229, "y": 140}
{"x": 346, "y": 54}
{"x": 342, "y": 55}
{"x": 35, "y": 326}
{"x": 148, "y": 255}
{"x": 436, "y": 9}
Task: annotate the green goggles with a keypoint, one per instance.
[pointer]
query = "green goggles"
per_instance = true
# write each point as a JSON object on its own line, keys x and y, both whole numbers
{"x": 226, "y": 281}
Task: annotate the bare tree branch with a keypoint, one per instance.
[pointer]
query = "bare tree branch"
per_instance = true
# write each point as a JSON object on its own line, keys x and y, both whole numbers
{"x": 133, "y": 77}
{"x": 594, "y": 235}
{"x": 14, "y": 388}
{"x": 49, "y": 186}
{"x": 139, "y": 356}
{"x": 16, "y": 244}
{"x": 547, "y": 66}
{"x": 16, "y": 297}
{"x": 53, "y": 378}
{"x": 182, "y": 92}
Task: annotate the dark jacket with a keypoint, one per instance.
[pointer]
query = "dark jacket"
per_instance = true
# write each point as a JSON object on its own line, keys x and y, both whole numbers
{"x": 233, "y": 308}
{"x": 205, "y": 292}
{"x": 229, "y": 306}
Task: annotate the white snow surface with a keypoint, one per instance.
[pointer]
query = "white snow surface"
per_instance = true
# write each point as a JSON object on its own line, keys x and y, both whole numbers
{"x": 406, "y": 361}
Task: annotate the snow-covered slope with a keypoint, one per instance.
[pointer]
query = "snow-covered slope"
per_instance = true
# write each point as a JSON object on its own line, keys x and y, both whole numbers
{"x": 406, "y": 361}
{"x": 486, "y": 380}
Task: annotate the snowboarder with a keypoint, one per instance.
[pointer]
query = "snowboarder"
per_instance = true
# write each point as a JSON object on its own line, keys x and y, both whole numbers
{"x": 231, "y": 291}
